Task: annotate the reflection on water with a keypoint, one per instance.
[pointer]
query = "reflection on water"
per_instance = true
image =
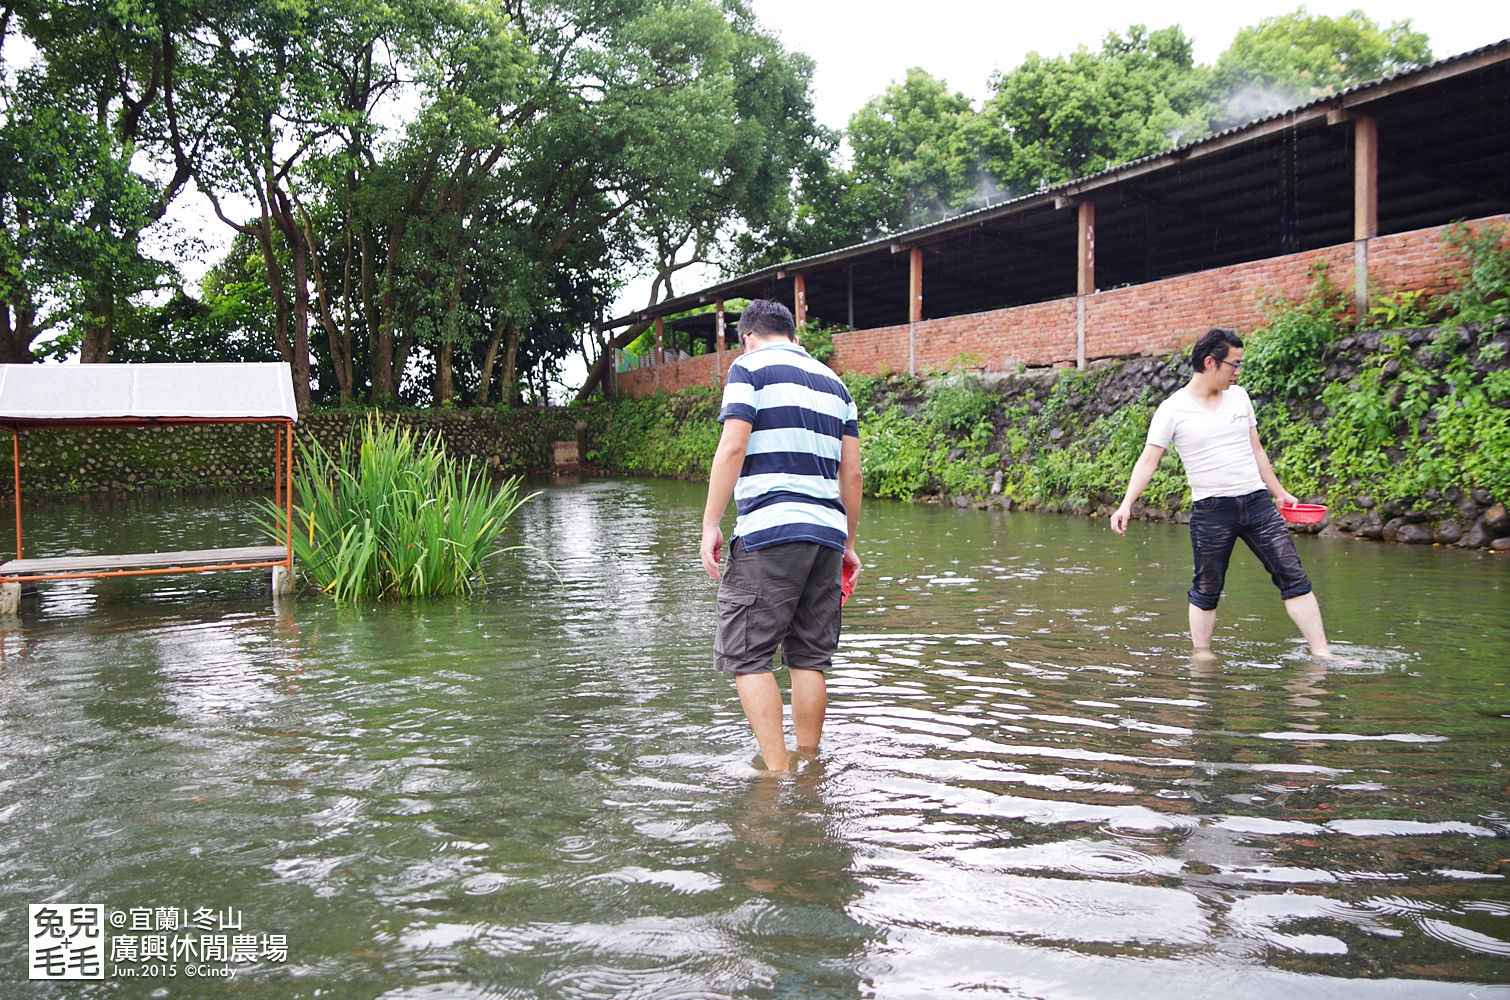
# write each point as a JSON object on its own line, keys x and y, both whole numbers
{"x": 1027, "y": 788}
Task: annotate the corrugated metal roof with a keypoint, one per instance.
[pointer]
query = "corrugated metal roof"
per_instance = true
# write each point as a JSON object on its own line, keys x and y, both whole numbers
{"x": 40, "y": 393}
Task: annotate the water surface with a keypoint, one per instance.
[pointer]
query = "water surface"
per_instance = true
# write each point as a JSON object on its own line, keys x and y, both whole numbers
{"x": 1027, "y": 788}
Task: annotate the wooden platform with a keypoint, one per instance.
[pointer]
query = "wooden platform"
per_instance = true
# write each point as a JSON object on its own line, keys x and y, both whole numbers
{"x": 193, "y": 560}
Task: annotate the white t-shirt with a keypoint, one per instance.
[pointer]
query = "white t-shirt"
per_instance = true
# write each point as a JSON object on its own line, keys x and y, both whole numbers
{"x": 1215, "y": 445}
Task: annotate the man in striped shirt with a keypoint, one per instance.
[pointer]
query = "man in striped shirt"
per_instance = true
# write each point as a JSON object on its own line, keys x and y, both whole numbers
{"x": 789, "y": 457}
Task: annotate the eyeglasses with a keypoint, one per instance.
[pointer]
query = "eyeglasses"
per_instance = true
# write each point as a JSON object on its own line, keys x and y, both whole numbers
{"x": 1234, "y": 365}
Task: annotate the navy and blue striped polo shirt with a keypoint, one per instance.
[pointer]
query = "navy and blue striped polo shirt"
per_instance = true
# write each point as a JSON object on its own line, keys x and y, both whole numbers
{"x": 800, "y": 413}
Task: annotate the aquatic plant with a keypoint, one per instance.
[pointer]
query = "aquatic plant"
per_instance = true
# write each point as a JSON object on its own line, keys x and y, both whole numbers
{"x": 391, "y": 515}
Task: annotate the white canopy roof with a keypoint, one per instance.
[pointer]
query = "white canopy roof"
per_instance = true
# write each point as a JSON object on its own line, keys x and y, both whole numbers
{"x": 205, "y": 391}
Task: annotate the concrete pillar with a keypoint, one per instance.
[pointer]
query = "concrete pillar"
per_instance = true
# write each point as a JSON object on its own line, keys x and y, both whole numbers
{"x": 10, "y": 598}
{"x": 1080, "y": 332}
{"x": 1085, "y": 272}
{"x": 284, "y": 583}
{"x": 914, "y": 306}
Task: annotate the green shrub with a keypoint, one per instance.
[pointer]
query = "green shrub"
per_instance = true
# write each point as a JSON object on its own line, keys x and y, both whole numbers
{"x": 958, "y": 404}
{"x": 817, "y": 341}
{"x": 863, "y": 390}
{"x": 1094, "y": 463}
{"x": 1485, "y": 290}
{"x": 1375, "y": 427}
{"x": 1284, "y": 358}
{"x": 896, "y": 452}
{"x": 660, "y": 435}
{"x": 945, "y": 446}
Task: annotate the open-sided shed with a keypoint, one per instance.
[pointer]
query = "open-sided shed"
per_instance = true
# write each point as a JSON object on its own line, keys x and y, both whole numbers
{"x": 47, "y": 396}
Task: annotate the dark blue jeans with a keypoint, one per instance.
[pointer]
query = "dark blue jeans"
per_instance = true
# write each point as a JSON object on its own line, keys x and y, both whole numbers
{"x": 1216, "y": 523}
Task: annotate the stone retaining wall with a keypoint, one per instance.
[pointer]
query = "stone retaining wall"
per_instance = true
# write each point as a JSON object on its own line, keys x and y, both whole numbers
{"x": 1466, "y": 519}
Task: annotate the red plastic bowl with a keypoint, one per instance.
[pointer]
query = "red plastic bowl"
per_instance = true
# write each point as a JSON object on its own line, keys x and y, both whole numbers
{"x": 1302, "y": 513}
{"x": 846, "y": 586}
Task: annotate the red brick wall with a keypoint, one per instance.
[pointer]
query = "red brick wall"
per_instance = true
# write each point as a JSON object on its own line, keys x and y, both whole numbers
{"x": 705, "y": 370}
{"x": 871, "y": 351}
{"x": 1164, "y": 316}
{"x": 1150, "y": 319}
{"x": 1409, "y": 262}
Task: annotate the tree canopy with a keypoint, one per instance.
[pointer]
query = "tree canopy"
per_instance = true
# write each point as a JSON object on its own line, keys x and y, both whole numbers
{"x": 432, "y": 202}
{"x": 430, "y": 199}
{"x": 1297, "y": 57}
{"x": 1057, "y": 119}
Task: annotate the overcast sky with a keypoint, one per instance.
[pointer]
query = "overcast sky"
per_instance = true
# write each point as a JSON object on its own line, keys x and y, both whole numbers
{"x": 863, "y": 47}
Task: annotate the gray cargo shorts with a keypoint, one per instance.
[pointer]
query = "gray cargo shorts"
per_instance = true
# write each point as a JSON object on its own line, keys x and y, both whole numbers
{"x": 782, "y": 595}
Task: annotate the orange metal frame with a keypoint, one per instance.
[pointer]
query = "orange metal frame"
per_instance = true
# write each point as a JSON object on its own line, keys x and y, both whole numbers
{"x": 283, "y": 483}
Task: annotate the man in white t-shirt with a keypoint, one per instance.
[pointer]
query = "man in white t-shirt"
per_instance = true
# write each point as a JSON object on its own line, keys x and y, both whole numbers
{"x": 1211, "y": 424}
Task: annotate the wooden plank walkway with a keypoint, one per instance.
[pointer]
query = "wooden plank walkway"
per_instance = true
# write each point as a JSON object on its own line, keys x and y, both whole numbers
{"x": 252, "y": 556}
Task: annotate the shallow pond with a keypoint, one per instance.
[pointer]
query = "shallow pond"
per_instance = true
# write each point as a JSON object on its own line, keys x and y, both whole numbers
{"x": 1027, "y": 789}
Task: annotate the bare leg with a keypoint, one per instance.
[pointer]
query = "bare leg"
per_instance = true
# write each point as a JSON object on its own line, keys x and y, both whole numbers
{"x": 1306, "y": 614}
{"x": 760, "y": 697}
{"x": 809, "y": 705}
{"x": 1202, "y": 627}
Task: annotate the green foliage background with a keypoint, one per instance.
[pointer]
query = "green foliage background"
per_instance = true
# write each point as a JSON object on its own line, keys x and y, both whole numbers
{"x": 446, "y": 195}
{"x": 1348, "y": 412}
{"x": 661, "y": 435}
{"x": 1410, "y": 426}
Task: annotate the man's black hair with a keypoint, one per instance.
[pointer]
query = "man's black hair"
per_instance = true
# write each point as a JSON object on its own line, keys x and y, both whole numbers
{"x": 1214, "y": 344}
{"x": 766, "y": 318}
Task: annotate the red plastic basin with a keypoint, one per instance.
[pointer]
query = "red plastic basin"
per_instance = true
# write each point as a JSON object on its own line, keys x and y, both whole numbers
{"x": 1302, "y": 513}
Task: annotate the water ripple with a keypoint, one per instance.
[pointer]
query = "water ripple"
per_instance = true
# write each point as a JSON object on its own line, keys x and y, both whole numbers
{"x": 1027, "y": 786}
{"x": 1462, "y": 937}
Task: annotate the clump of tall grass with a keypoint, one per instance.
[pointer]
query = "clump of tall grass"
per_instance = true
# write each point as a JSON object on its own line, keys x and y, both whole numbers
{"x": 391, "y": 515}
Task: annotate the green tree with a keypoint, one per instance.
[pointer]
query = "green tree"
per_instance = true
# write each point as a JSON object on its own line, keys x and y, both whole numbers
{"x": 280, "y": 88}
{"x": 916, "y": 153}
{"x": 1294, "y": 58}
{"x": 705, "y": 122}
{"x": 775, "y": 151}
{"x": 83, "y": 178}
{"x": 1066, "y": 117}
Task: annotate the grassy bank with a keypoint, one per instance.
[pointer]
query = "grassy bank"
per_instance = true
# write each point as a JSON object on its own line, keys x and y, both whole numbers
{"x": 1381, "y": 425}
